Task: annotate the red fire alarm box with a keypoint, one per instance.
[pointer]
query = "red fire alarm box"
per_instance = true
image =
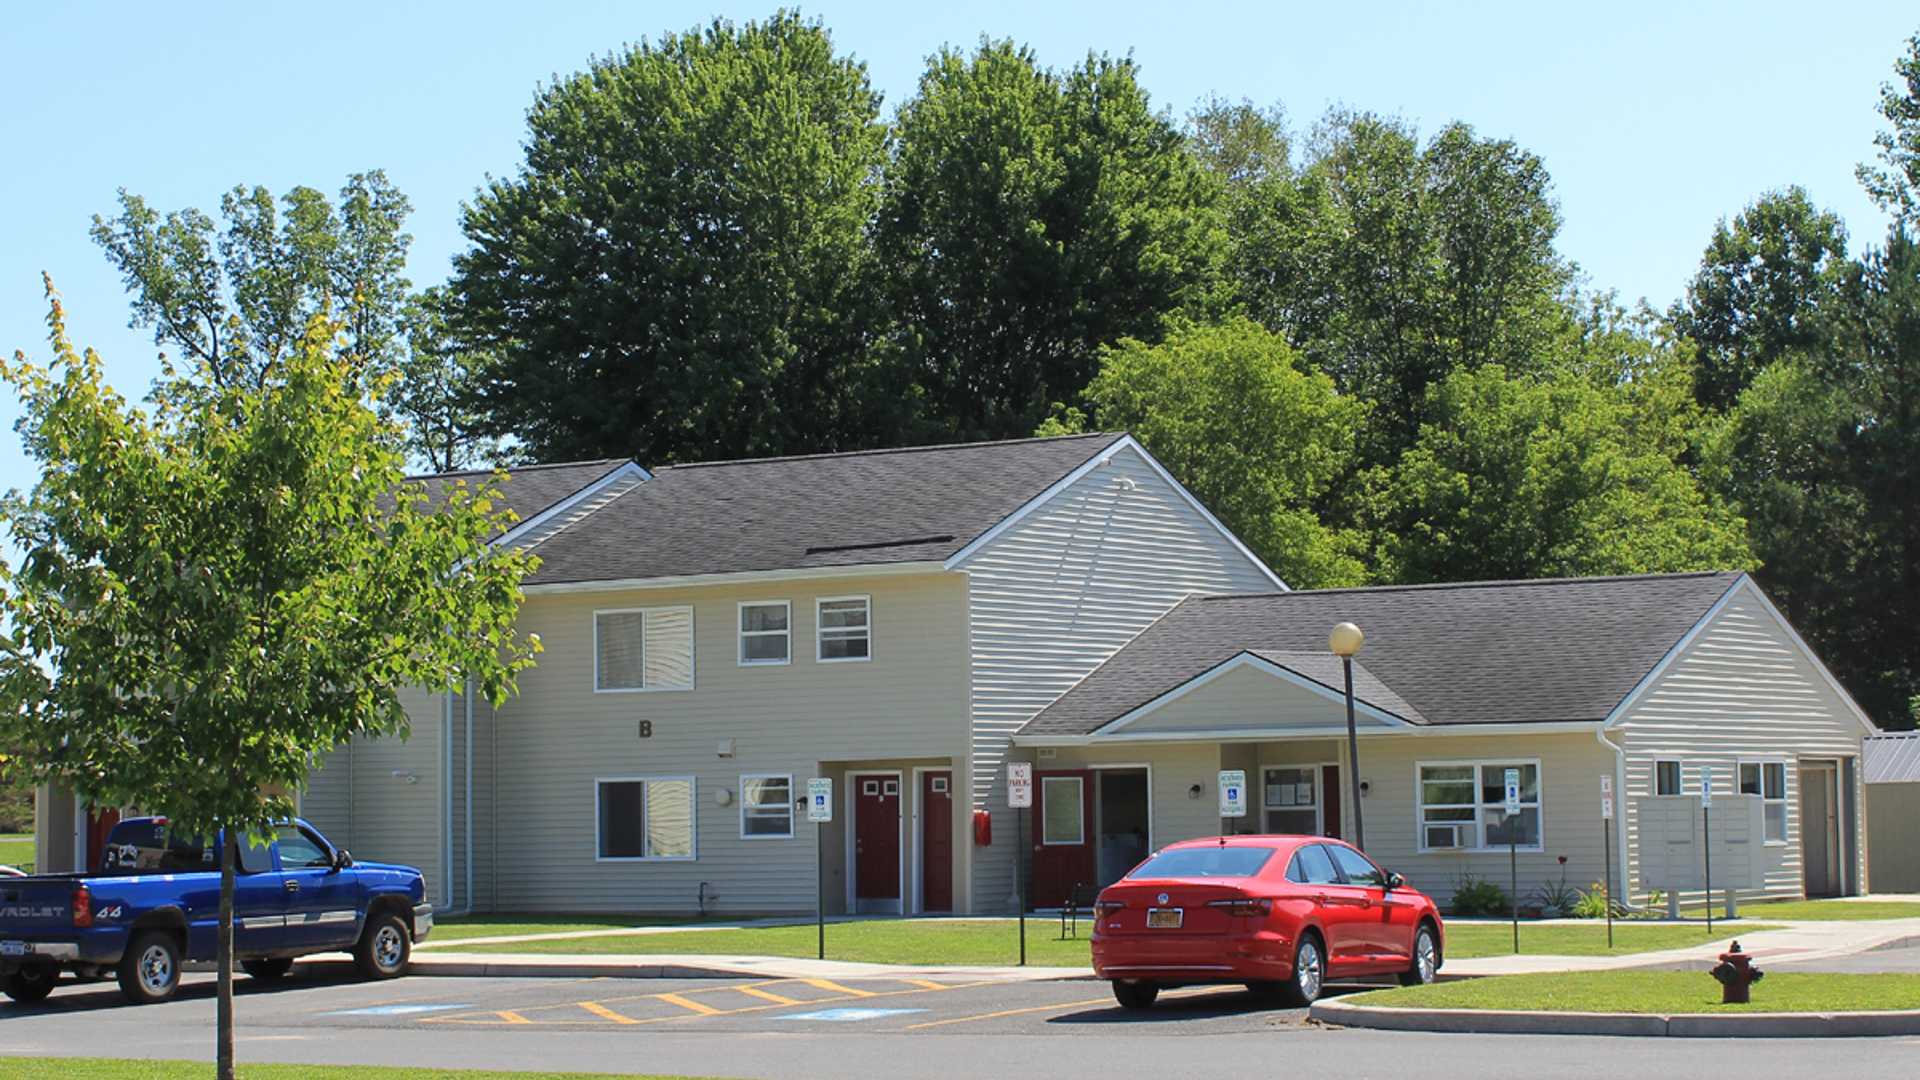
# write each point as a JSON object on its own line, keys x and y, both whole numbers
{"x": 983, "y": 828}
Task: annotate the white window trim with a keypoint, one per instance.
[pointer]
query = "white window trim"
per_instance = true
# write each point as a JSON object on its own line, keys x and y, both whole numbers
{"x": 1079, "y": 782}
{"x": 693, "y": 818}
{"x": 819, "y": 605}
{"x": 1680, "y": 771}
{"x": 1318, "y": 768}
{"x": 1784, "y": 800}
{"x": 744, "y": 835}
{"x": 1480, "y": 845}
{"x": 693, "y": 645}
{"x": 741, "y": 635}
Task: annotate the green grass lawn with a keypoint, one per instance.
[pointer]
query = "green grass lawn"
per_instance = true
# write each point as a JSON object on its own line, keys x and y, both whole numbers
{"x": 1849, "y": 910}
{"x": 16, "y": 849}
{"x": 478, "y": 926}
{"x": 39, "y": 1068}
{"x": 1467, "y": 940}
{"x": 878, "y": 941}
{"x": 1656, "y": 992}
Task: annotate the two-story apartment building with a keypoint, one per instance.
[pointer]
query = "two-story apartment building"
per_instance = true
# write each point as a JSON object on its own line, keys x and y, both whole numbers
{"x": 906, "y": 622}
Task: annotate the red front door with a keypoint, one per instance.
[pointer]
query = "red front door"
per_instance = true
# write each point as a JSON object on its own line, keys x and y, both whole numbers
{"x": 936, "y": 841}
{"x": 1330, "y": 804}
{"x": 1062, "y": 837}
{"x": 876, "y": 842}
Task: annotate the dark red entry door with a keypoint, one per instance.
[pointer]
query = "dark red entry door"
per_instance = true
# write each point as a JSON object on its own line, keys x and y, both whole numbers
{"x": 1062, "y": 836}
{"x": 876, "y": 839}
{"x": 936, "y": 841}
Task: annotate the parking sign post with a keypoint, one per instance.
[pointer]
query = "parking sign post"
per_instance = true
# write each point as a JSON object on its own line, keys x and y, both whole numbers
{"x": 1513, "y": 849}
{"x": 1606, "y": 846}
{"x": 820, "y": 812}
{"x": 1706, "y": 835}
{"x": 1020, "y": 797}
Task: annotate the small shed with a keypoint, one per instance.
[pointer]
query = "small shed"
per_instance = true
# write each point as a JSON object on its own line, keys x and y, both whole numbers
{"x": 1892, "y": 765}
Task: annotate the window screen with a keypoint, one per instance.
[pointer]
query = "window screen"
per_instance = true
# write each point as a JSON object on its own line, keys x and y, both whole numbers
{"x": 766, "y": 806}
{"x": 643, "y": 650}
{"x": 844, "y": 628}
{"x": 765, "y": 636}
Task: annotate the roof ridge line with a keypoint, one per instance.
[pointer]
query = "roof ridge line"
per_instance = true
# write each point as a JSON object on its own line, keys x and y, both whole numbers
{"x": 1439, "y": 586}
{"x": 879, "y": 450}
{"x": 510, "y": 469}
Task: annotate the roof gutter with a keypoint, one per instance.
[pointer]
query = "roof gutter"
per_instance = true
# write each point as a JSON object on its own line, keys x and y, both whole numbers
{"x": 1552, "y": 727}
{"x": 744, "y": 577}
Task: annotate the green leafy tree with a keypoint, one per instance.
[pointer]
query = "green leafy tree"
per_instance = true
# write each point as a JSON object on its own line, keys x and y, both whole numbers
{"x": 1232, "y": 411}
{"x": 1032, "y": 217}
{"x": 214, "y": 590}
{"x": 1520, "y": 477}
{"x": 1241, "y": 143}
{"x": 1768, "y": 285}
{"x": 680, "y": 269}
{"x": 437, "y": 388}
{"x": 238, "y": 297}
{"x": 1895, "y": 183}
{"x": 1391, "y": 263}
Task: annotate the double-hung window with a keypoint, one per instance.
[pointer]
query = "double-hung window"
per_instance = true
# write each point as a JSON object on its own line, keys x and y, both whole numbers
{"x": 643, "y": 649}
{"x": 766, "y": 635}
{"x": 1768, "y": 779}
{"x": 1463, "y": 806}
{"x": 1666, "y": 777}
{"x": 644, "y": 818}
{"x": 843, "y": 629}
{"x": 766, "y": 807}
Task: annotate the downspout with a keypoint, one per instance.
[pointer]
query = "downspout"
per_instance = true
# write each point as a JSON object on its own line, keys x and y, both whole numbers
{"x": 1619, "y": 814}
{"x": 467, "y": 908}
{"x": 493, "y": 810}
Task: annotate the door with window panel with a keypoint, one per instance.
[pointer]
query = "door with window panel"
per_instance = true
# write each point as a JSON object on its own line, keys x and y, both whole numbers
{"x": 1290, "y": 797}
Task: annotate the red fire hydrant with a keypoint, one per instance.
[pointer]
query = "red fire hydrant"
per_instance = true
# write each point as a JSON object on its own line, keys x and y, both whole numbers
{"x": 1736, "y": 974}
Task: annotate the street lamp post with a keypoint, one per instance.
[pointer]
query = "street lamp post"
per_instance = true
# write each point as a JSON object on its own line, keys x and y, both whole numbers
{"x": 1346, "y": 640}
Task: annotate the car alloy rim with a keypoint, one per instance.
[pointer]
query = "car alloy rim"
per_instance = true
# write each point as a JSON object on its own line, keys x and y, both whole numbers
{"x": 386, "y": 947}
{"x": 156, "y": 969}
{"x": 1429, "y": 960}
{"x": 1309, "y": 973}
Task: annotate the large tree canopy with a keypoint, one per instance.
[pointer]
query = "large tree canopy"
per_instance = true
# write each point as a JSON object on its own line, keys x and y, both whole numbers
{"x": 1032, "y": 217}
{"x": 679, "y": 270}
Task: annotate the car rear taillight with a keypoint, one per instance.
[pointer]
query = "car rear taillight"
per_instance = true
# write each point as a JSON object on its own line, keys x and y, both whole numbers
{"x": 1104, "y": 908}
{"x": 1243, "y": 906}
{"x": 82, "y": 907}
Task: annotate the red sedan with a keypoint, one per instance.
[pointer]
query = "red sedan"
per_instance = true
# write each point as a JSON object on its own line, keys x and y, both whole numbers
{"x": 1282, "y": 914}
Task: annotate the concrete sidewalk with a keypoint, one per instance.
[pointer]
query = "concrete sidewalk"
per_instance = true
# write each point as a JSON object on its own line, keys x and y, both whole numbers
{"x": 1798, "y": 942}
{"x": 695, "y": 966}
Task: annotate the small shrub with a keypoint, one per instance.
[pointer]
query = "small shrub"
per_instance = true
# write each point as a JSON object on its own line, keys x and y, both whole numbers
{"x": 1555, "y": 900}
{"x": 1591, "y": 904}
{"x": 1478, "y": 896}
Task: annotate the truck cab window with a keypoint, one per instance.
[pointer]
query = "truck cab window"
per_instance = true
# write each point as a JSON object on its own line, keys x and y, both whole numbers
{"x": 255, "y": 857}
{"x": 298, "y": 851}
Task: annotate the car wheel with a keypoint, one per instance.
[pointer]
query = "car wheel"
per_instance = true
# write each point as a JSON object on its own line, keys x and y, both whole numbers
{"x": 267, "y": 970}
{"x": 150, "y": 970}
{"x": 1426, "y": 958}
{"x": 384, "y": 949}
{"x": 1135, "y": 995}
{"x": 1309, "y": 972}
{"x": 31, "y": 983}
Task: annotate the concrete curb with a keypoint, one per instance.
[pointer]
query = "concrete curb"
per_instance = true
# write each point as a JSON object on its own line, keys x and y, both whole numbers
{"x": 1687, "y": 1026}
{"x": 522, "y": 966}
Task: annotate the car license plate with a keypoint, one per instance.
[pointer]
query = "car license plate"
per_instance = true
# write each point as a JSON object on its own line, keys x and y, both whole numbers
{"x": 13, "y": 948}
{"x": 1164, "y": 918}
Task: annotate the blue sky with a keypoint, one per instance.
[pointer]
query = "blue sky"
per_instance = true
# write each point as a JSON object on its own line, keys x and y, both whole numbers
{"x": 1655, "y": 119}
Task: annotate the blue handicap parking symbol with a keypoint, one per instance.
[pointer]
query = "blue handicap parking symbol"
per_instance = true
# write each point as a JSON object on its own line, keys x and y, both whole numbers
{"x": 845, "y": 1015}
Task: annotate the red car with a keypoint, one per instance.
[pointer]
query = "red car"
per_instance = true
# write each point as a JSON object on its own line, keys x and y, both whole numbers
{"x": 1282, "y": 914}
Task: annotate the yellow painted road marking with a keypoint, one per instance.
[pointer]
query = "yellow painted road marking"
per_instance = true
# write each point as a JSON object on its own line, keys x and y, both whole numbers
{"x": 829, "y": 984}
{"x": 512, "y": 1017}
{"x": 605, "y": 1013}
{"x": 688, "y": 1003}
{"x": 1007, "y": 1012}
{"x": 925, "y": 983}
{"x": 754, "y": 991}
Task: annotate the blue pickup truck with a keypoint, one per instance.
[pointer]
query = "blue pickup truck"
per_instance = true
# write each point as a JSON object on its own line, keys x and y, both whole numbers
{"x": 156, "y": 903}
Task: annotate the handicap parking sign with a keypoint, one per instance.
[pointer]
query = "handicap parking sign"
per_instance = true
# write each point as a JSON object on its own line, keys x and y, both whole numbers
{"x": 820, "y": 799}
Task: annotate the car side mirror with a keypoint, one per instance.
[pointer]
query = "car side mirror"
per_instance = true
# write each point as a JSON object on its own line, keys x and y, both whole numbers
{"x": 1395, "y": 881}
{"x": 343, "y": 859}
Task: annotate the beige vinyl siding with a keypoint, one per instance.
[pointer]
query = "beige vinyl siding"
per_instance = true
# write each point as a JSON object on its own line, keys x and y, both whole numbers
{"x": 1741, "y": 690}
{"x": 804, "y": 719}
{"x": 1056, "y": 594}
{"x": 1892, "y": 810}
{"x": 1246, "y": 698}
{"x": 390, "y": 820}
{"x": 1175, "y": 768}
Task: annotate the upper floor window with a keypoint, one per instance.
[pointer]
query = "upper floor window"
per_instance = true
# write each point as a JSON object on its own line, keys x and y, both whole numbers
{"x": 844, "y": 628}
{"x": 765, "y": 632}
{"x": 1768, "y": 779}
{"x": 643, "y": 649}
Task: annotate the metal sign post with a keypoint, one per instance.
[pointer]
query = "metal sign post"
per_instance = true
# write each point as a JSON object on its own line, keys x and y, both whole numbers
{"x": 1513, "y": 849}
{"x": 1606, "y": 847}
{"x": 1706, "y": 835}
{"x": 1020, "y": 798}
{"x": 820, "y": 812}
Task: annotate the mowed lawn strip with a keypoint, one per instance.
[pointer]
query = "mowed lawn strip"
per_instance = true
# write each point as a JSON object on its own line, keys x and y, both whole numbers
{"x": 16, "y": 849}
{"x": 481, "y": 926}
{"x": 1468, "y": 940}
{"x": 876, "y": 941}
{"x": 1659, "y": 992}
{"x": 1823, "y": 910}
{"x": 39, "y": 1068}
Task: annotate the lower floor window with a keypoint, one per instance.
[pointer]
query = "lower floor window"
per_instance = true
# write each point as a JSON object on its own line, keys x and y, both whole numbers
{"x": 766, "y": 806}
{"x": 1463, "y": 806}
{"x": 649, "y": 818}
{"x": 1768, "y": 779}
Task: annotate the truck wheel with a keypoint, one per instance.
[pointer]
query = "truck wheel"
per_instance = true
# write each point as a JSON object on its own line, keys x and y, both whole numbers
{"x": 31, "y": 983}
{"x": 385, "y": 947}
{"x": 150, "y": 970}
{"x": 267, "y": 970}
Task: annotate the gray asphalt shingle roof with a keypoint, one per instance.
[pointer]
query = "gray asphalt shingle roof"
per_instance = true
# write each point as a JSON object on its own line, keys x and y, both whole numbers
{"x": 879, "y": 506}
{"x": 1482, "y": 652}
{"x": 527, "y": 490}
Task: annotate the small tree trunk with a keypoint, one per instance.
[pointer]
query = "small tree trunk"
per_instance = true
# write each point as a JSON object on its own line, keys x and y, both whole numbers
{"x": 223, "y": 957}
